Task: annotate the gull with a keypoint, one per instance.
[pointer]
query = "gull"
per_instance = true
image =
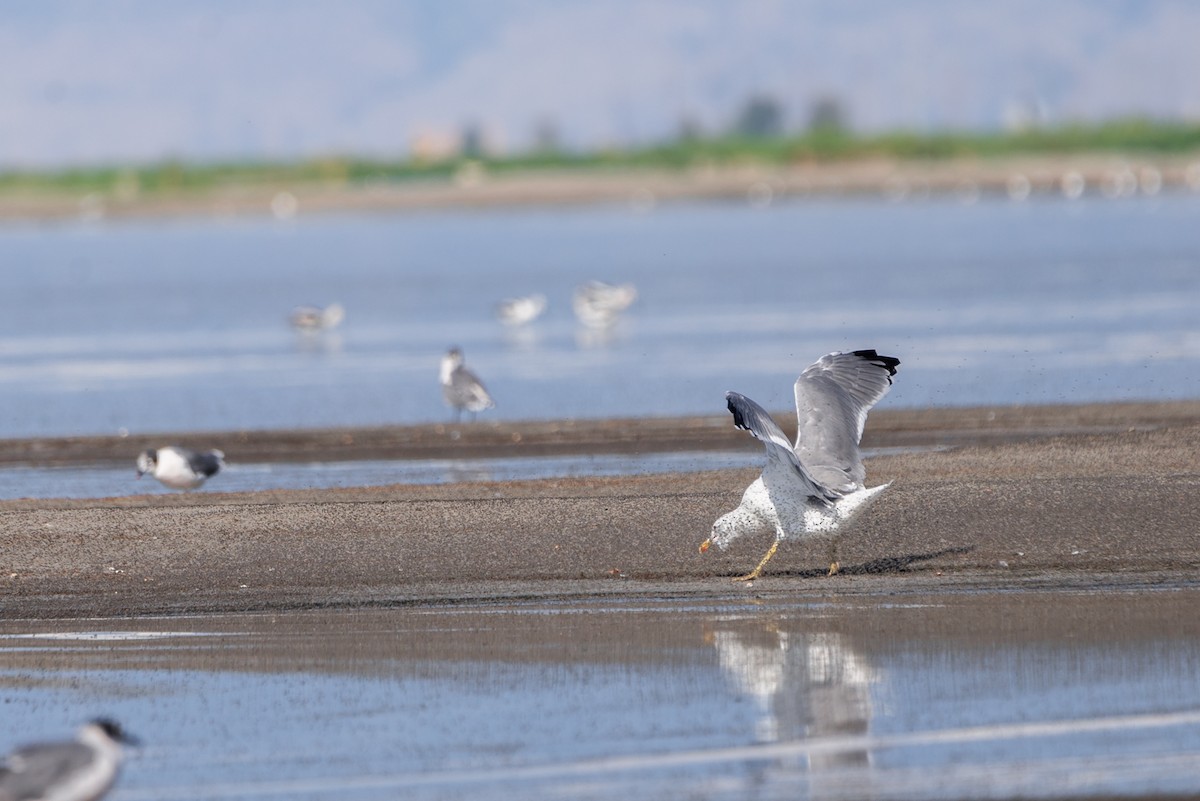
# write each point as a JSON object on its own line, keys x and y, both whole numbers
{"x": 179, "y": 468}
{"x": 314, "y": 318}
{"x": 815, "y": 485}
{"x": 83, "y": 769}
{"x": 598, "y": 304}
{"x": 462, "y": 389}
{"x": 519, "y": 311}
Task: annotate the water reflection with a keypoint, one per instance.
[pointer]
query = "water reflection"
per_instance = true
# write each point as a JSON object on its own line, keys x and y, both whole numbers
{"x": 804, "y": 685}
{"x": 598, "y": 338}
{"x": 465, "y": 472}
{"x": 318, "y": 342}
{"x": 843, "y": 694}
{"x": 523, "y": 339}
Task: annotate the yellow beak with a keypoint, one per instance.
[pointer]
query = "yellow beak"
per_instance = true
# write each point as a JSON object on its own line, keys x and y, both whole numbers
{"x": 704, "y": 546}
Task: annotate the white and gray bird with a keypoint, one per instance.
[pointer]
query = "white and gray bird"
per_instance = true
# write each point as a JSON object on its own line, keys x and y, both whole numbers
{"x": 815, "y": 485}
{"x": 598, "y": 305}
{"x": 314, "y": 318}
{"x": 179, "y": 468}
{"x": 462, "y": 389}
{"x": 522, "y": 310}
{"x": 83, "y": 769}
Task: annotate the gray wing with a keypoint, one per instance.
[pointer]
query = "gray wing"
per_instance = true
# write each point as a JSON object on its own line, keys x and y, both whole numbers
{"x": 833, "y": 396}
{"x": 469, "y": 390}
{"x": 749, "y": 416}
{"x": 204, "y": 464}
{"x": 28, "y": 771}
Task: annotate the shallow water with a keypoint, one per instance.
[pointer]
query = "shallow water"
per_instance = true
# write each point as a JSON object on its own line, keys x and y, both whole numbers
{"x": 180, "y": 325}
{"x": 106, "y": 481}
{"x": 985, "y": 695}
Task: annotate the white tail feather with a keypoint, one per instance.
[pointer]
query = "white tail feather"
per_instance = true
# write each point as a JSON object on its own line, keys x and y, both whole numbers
{"x": 842, "y": 513}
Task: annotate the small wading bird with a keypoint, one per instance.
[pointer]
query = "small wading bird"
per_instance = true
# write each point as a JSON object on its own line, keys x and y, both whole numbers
{"x": 598, "y": 304}
{"x": 815, "y": 485}
{"x": 462, "y": 389}
{"x": 179, "y": 468}
{"x": 80, "y": 770}
{"x": 519, "y": 311}
{"x": 314, "y": 318}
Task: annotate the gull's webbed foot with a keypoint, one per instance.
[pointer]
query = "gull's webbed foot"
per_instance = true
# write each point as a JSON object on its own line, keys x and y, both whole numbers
{"x": 834, "y": 569}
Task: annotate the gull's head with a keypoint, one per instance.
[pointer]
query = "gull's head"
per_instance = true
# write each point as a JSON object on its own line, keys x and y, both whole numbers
{"x": 450, "y": 362}
{"x": 147, "y": 461}
{"x": 724, "y": 531}
{"x": 106, "y": 732}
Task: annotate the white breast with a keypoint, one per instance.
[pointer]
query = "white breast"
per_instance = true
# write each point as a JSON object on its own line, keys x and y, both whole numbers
{"x": 174, "y": 471}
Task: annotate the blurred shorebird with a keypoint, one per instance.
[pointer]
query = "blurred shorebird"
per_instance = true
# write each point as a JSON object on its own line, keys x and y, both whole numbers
{"x": 462, "y": 389}
{"x": 815, "y": 485}
{"x": 519, "y": 311}
{"x": 314, "y": 318}
{"x": 598, "y": 304}
{"x": 83, "y": 769}
{"x": 179, "y": 468}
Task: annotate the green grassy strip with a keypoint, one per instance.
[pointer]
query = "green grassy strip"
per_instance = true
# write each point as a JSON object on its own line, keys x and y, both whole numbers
{"x": 1125, "y": 135}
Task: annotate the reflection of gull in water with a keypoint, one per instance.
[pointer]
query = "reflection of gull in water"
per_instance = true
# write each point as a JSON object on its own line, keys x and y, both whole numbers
{"x": 597, "y": 304}
{"x": 80, "y": 770}
{"x": 519, "y": 311}
{"x": 791, "y": 675}
{"x": 816, "y": 484}
{"x": 462, "y": 389}
{"x": 179, "y": 468}
{"x": 314, "y": 318}
{"x": 805, "y": 685}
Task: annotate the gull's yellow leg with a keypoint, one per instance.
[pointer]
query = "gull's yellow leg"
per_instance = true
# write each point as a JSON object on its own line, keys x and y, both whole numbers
{"x": 834, "y": 567}
{"x": 756, "y": 572}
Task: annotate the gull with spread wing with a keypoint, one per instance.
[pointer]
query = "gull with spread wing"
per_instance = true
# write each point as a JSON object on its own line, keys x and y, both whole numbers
{"x": 815, "y": 485}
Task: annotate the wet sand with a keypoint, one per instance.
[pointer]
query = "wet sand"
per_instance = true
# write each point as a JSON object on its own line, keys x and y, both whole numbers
{"x": 1084, "y": 496}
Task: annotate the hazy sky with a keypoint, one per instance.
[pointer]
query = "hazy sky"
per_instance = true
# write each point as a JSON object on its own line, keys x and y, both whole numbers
{"x": 140, "y": 80}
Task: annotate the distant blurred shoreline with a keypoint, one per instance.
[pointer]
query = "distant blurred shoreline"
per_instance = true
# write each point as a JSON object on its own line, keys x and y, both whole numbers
{"x": 473, "y": 186}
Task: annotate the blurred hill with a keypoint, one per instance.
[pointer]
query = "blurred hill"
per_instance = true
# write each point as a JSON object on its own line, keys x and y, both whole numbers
{"x": 141, "y": 82}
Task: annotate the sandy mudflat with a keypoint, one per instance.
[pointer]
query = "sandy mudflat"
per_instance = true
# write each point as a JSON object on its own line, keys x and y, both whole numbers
{"x": 1064, "y": 496}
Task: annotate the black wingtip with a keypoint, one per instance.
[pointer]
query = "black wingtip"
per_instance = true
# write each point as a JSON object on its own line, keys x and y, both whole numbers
{"x": 731, "y": 401}
{"x": 890, "y": 363}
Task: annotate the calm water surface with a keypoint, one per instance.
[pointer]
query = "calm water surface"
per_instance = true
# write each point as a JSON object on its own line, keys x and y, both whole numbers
{"x": 180, "y": 325}
{"x": 105, "y": 481}
{"x": 1041, "y": 694}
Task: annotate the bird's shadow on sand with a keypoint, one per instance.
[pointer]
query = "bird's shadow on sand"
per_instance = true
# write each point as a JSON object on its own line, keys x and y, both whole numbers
{"x": 888, "y": 564}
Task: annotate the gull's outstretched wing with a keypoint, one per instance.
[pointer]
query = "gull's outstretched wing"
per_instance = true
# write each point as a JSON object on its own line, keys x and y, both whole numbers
{"x": 833, "y": 396}
{"x": 749, "y": 416}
